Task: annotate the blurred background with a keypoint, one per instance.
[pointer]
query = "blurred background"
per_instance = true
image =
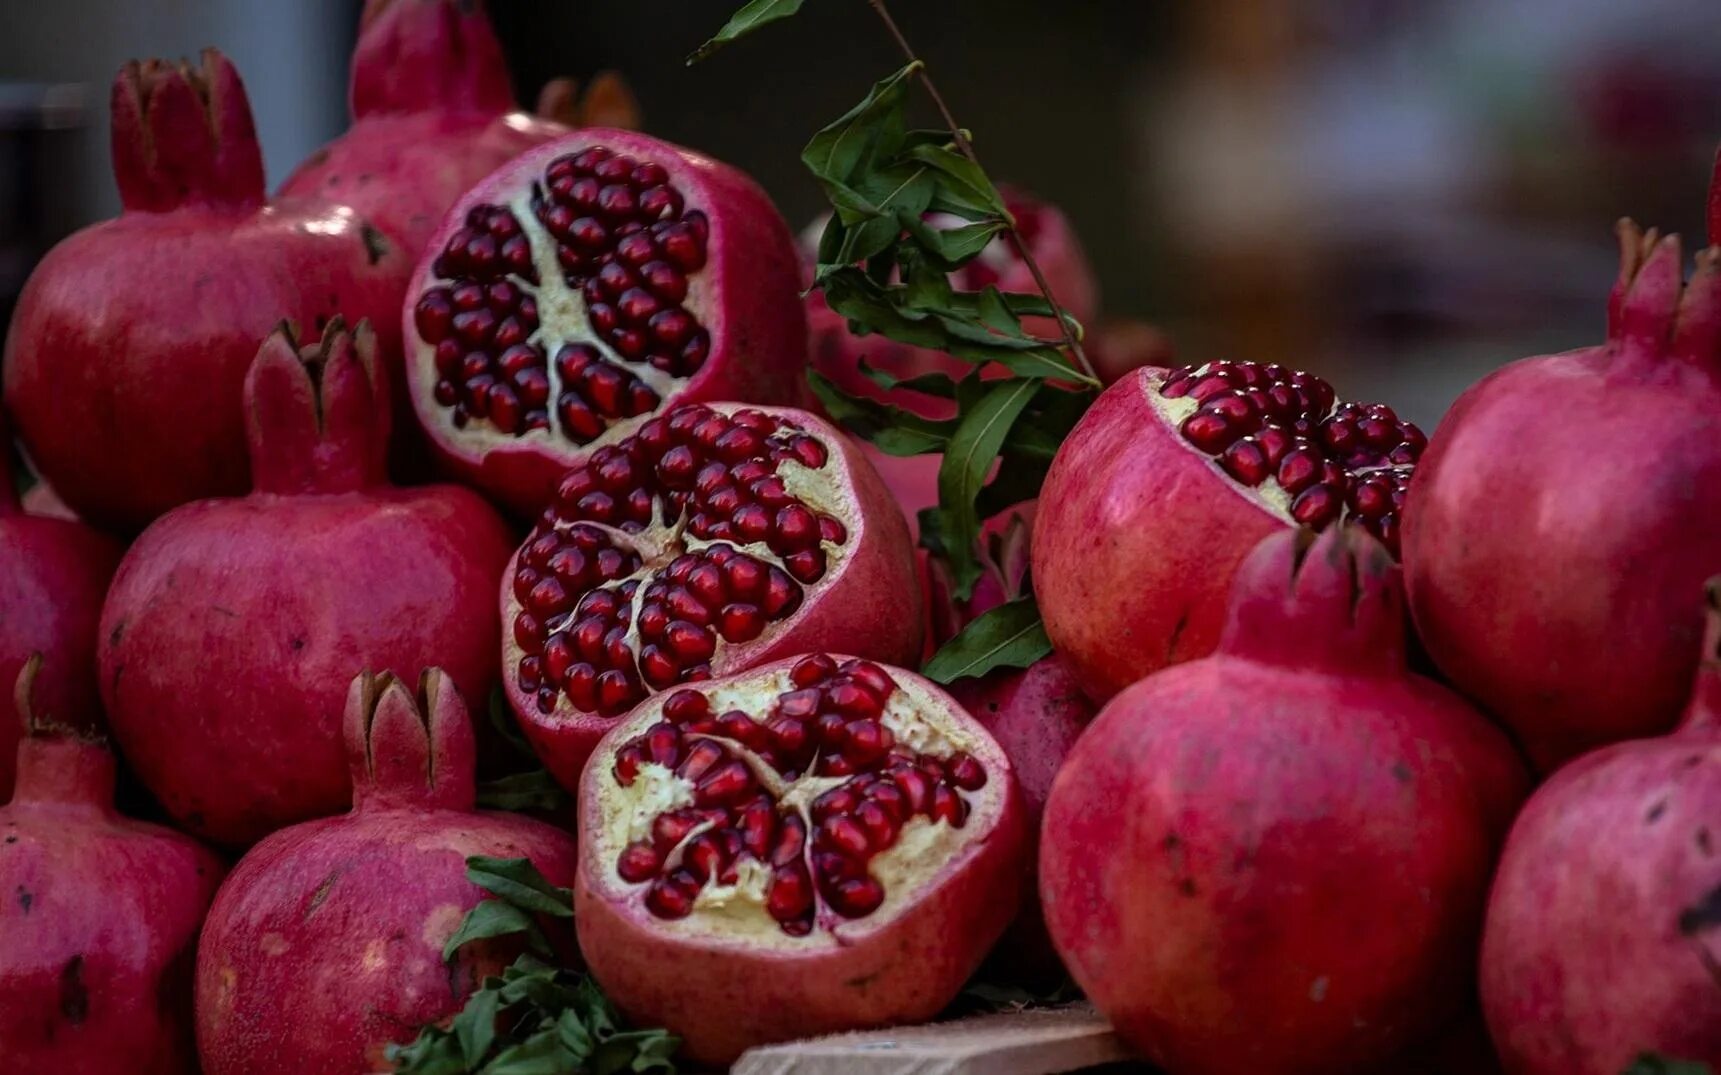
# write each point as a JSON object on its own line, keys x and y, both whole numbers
{"x": 1399, "y": 194}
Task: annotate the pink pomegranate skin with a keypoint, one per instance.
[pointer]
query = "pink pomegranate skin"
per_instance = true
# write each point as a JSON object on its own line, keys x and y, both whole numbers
{"x": 433, "y": 113}
{"x": 1274, "y": 859}
{"x": 53, "y": 576}
{"x": 745, "y": 294}
{"x": 325, "y": 944}
{"x": 1604, "y": 927}
{"x": 98, "y": 929}
{"x": 233, "y": 625}
{"x": 1554, "y": 564}
{"x": 127, "y": 353}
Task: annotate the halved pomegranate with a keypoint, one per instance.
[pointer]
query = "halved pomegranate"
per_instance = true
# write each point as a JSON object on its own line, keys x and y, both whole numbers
{"x": 582, "y": 288}
{"x": 816, "y": 845}
{"x": 712, "y": 539}
{"x": 1172, "y": 477}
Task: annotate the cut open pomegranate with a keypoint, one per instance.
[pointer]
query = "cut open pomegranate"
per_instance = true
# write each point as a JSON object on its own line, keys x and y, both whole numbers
{"x": 1172, "y": 477}
{"x": 818, "y": 844}
{"x": 710, "y": 540}
{"x": 582, "y": 288}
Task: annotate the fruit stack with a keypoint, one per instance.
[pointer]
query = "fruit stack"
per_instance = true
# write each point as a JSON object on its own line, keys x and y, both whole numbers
{"x": 1264, "y": 801}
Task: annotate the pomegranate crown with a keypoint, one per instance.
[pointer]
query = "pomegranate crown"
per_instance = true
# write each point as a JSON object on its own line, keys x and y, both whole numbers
{"x": 421, "y": 55}
{"x": 183, "y": 135}
{"x": 409, "y": 750}
{"x": 317, "y": 414}
{"x": 1653, "y": 312}
{"x": 56, "y": 762}
{"x": 1333, "y": 600}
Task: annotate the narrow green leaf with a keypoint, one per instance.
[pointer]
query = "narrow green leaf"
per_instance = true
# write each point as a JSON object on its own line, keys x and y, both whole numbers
{"x": 954, "y": 247}
{"x": 1008, "y": 636}
{"x": 751, "y": 17}
{"x": 893, "y": 430}
{"x": 869, "y": 130}
{"x": 541, "y": 1054}
{"x": 433, "y": 1052}
{"x": 475, "y": 1027}
{"x": 926, "y": 384}
{"x": 968, "y": 181}
{"x": 967, "y": 460}
{"x": 535, "y": 790}
{"x": 520, "y": 883}
{"x": 490, "y": 918}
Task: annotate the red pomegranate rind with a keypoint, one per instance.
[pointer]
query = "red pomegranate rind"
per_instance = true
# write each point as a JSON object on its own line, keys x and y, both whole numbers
{"x": 1132, "y": 563}
{"x": 714, "y": 539}
{"x": 818, "y": 844}
{"x": 584, "y": 287}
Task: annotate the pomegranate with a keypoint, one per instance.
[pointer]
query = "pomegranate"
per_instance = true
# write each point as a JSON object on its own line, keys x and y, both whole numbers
{"x": 583, "y": 288}
{"x": 1604, "y": 929}
{"x": 1606, "y": 550}
{"x": 818, "y": 844}
{"x": 712, "y": 539}
{"x": 128, "y": 349}
{"x": 233, "y": 625}
{"x": 1275, "y": 858}
{"x": 98, "y": 926}
{"x": 53, "y": 576}
{"x": 433, "y": 113}
{"x": 1171, "y": 478}
{"x": 325, "y": 945}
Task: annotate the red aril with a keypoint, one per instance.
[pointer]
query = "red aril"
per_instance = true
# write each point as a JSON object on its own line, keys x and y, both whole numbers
{"x": 1168, "y": 482}
{"x": 814, "y": 845}
{"x": 126, "y": 355}
{"x": 325, "y": 945}
{"x": 433, "y": 113}
{"x": 1561, "y": 526}
{"x": 585, "y": 287}
{"x": 713, "y": 539}
{"x": 233, "y": 626}
{"x": 1275, "y": 858}
{"x": 98, "y": 927}
{"x": 53, "y": 576}
{"x": 1604, "y": 928}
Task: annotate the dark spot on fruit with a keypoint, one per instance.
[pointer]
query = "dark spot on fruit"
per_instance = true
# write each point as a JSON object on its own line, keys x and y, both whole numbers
{"x": 1703, "y": 842}
{"x": 321, "y": 894}
{"x": 1401, "y": 772}
{"x": 74, "y": 995}
{"x": 1176, "y": 633}
{"x": 1186, "y": 886}
{"x": 863, "y": 981}
{"x": 1171, "y": 842}
{"x": 224, "y": 611}
{"x": 322, "y": 322}
{"x": 25, "y": 898}
{"x": 297, "y": 642}
{"x": 376, "y": 244}
{"x": 1655, "y": 812}
{"x": 1703, "y": 915}
{"x": 1693, "y": 761}
{"x": 114, "y": 635}
{"x": 318, "y": 158}
{"x": 12, "y": 839}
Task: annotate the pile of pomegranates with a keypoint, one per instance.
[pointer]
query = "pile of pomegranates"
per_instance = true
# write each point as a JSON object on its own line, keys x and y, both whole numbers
{"x": 1261, "y": 780}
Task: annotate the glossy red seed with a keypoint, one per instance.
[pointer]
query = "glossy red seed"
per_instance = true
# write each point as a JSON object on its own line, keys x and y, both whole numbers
{"x": 966, "y": 772}
{"x": 638, "y": 862}
{"x": 740, "y": 623}
{"x": 791, "y": 892}
{"x": 856, "y": 897}
{"x": 685, "y": 706}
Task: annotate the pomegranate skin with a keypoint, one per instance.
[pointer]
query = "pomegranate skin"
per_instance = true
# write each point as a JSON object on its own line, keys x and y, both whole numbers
{"x": 724, "y": 994}
{"x": 126, "y": 355}
{"x": 1604, "y": 926}
{"x": 53, "y": 576}
{"x": 433, "y": 113}
{"x": 1604, "y": 526}
{"x": 233, "y": 625}
{"x": 325, "y": 944}
{"x": 99, "y": 926}
{"x": 1188, "y": 864}
{"x": 747, "y": 300}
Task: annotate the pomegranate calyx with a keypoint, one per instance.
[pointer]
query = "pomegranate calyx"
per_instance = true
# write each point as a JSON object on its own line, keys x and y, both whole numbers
{"x": 317, "y": 414}
{"x": 1331, "y": 600}
{"x": 184, "y": 134}
{"x": 407, "y": 749}
{"x": 1654, "y": 313}
{"x": 428, "y": 55}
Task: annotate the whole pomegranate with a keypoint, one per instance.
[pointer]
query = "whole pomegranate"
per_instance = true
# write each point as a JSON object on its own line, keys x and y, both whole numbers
{"x": 98, "y": 926}
{"x": 817, "y": 844}
{"x": 433, "y": 113}
{"x": 53, "y": 576}
{"x": 325, "y": 945}
{"x": 233, "y": 625}
{"x": 1553, "y": 565}
{"x": 1274, "y": 859}
{"x": 712, "y": 539}
{"x": 129, "y": 346}
{"x": 1604, "y": 929}
{"x": 1167, "y": 483}
{"x": 584, "y": 287}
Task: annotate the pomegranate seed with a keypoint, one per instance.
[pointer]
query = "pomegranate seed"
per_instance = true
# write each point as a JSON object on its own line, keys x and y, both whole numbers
{"x": 867, "y": 741}
{"x": 806, "y": 566}
{"x": 791, "y": 892}
{"x": 727, "y": 784}
{"x": 791, "y": 840}
{"x": 856, "y": 897}
{"x": 627, "y": 763}
{"x": 914, "y": 787}
{"x": 966, "y": 773}
{"x": 800, "y": 704}
{"x": 1316, "y": 506}
{"x": 789, "y": 734}
{"x": 685, "y": 706}
{"x": 872, "y": 677}
{"x": 740, "y": 623}
{"x": 844, "y": 834}
{"x": 948, "y": 806}
{"x": 638, "y": 862}
{"x": 880, "y": 826}
{"x": 689, "y": 641}
{"x": 668, "y": 899}
{"x": 701, "y": 757}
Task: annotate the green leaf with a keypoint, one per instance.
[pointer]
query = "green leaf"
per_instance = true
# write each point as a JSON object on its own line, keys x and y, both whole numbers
{"x": 520, "y": 883}
{"x": 927, "y": 384}
{"x": 475, "y": 1027}
{"x": 967, "y": 460}
{"x": 534, "y": 790}
{"x": 433, "y": 1052}
{"x": 866, "y": 132}
{"x": 1656, "y": 1064}
{"x": 969, "y": 185}
{"x": 952, "y": 248}
{"x": 1008, "y": 636}
{"x": 751, "y": 17}
{"x": 894, "y": 430}
{"x": 502, "y": 719}
{"x": 490, "y": 918}
{"x": 1017, "y": 480}
{"x": 541, "y": 1054}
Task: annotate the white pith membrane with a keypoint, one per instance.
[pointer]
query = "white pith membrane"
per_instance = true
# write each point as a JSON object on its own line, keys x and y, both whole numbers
{"x": 703, "y": 862}
{"x": 1289, "y": 446}
{"x": 683, "y": 581}
{"x": 549, "y": 311}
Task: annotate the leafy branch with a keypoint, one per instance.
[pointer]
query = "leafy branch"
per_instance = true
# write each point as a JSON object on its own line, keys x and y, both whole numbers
{"x": 535, "y": 1018}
